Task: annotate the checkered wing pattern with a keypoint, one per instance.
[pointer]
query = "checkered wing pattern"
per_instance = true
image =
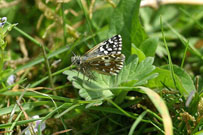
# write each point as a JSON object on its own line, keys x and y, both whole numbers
{"x": 109, "y": 64}
{"x": 105, "y": 58}
{"x": 110, "y": 46}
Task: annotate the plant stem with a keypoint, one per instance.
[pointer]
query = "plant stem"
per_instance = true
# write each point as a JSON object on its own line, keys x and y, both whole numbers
{"x": 156, "y": 3}
{"x": 44, "y": 49}
{"x": 28, "y": 36}
{"x": 169, "y": 56}
{"x": 1, "y": 60}
{"x": 64, "y": 23}
{"x": 182, "y": 63}
{"x": 55, "y": 73}
{"x": 48, "y": 68}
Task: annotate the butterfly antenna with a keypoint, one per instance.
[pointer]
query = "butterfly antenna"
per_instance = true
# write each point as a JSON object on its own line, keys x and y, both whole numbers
{"x": 73, "y": 53}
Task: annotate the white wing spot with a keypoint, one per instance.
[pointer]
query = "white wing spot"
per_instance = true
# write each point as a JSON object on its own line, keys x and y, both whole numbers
{"x": 110, "y": 41}
{"x": 105, "y": 52}
{"x": 112, "y": 73}
{"x": 101, "y": 49}
{"x": 117, "y": 71}
{"x": 107, "y": 64}
{"x": 119, "y": 65}
{"x": 109, "y": 49}
{"x": 114, "y": 52}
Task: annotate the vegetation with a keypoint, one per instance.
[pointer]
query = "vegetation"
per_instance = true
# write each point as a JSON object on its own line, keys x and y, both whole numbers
{"x": 158, "y": 91}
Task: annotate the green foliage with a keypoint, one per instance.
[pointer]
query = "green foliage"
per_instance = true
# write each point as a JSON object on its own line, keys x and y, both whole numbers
{"x": 149, "y": 46}
{"x": 124, "y": 21}
{"x": 183, "y": 81}
{"x": 4, "y": 29}
{"x": 132, "y": 74}
{"x": 158, "y": 91}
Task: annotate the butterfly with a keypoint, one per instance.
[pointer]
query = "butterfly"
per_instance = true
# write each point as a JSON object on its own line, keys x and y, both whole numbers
{"x": 105, "y": 58}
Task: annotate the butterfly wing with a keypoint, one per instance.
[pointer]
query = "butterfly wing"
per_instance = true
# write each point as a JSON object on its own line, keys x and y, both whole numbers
{"x": 105, "y": 58}
{"x": 110, "y": 46}
{"x": 109, "y": 64}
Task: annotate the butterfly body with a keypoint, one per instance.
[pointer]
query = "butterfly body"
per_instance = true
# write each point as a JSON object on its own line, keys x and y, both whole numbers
{"x": 105, "y": 58}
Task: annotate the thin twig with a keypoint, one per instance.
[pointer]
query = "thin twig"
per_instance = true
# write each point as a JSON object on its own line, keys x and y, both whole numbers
{"x": 26, "y": 116}
{"x": 60, "y": 132}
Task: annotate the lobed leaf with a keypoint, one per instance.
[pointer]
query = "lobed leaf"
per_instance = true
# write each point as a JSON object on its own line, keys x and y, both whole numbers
{"x": 132, "y": 74}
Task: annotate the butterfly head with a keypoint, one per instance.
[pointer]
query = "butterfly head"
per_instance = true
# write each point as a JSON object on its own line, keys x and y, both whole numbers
{"x": 76, "y": 60}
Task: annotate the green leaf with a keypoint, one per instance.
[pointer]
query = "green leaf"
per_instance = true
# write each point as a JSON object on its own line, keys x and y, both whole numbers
{"x": 183, "y": 81}
{"x": 26, "y": 106}
{"x": 138, "y": 52}
{"x": 138, "y": 34}
{"x": 135, "y": 73}
{"x": 91, "y": 89}
{"x": 149, "y": 46}
{"x": 125, "y": 21}
{"x": 185, "y": 42}
{"x": 132, "y": 74}
{"x": 199, "y": 133}
{"x": 37, "y": 95}
{"x": 162, "y": 108}
{"x": 5, "y": 74}
{"x": 23, "y": 122}
{"x": 136, "y": 122}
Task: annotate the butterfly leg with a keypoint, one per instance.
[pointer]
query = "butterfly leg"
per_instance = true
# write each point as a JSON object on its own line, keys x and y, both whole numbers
{"x": 78, "y": 74}
{"x": 83, "y": 73}
{"x": 90, "y": 76}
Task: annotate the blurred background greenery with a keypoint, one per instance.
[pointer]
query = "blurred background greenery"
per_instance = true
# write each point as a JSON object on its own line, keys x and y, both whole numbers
{"x": 76, "y": 26}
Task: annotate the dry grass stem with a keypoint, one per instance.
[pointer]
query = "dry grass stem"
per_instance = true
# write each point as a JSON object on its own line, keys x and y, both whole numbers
{"x": 155, "y": 3}
{"x": 63, "y": 1}
{"x": 111, "y": 3}
{"x": 72, "y": 31}
{"x": 91, "y": 8}
{"x": 4, "y": 4}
